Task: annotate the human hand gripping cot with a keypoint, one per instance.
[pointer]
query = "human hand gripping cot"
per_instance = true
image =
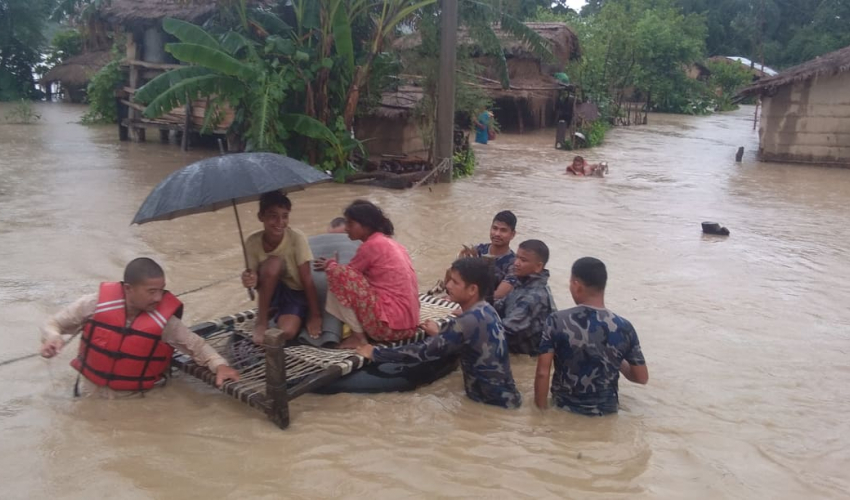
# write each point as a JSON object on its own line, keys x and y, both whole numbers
{"x": 477, "y": 336}
{"x": 140, "y": 305}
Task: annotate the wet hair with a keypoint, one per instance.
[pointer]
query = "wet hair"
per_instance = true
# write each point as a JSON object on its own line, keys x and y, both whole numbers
{"x": 274, "y": 199}
{"x": 367, "y": 214}
{"x": 591, "y": 271}
{"x": 142, "y": 269}
{"x": 538, "y": 248}
{"x": 579, "y": 158}
{"x": 507, "y": 217}
{"x": 475, "y": 271}
{"x": 339, "y": 221}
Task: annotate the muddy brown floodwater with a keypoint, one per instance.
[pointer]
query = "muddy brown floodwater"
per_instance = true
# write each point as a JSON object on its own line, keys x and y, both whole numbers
{"x": 746, "y": 337}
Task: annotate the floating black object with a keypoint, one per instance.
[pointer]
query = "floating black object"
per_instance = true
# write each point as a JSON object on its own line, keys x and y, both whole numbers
{"x": 714, "y": 228}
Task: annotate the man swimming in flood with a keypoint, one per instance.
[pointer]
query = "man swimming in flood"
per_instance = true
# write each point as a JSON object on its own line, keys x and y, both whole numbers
{"x": 580, "y": 167}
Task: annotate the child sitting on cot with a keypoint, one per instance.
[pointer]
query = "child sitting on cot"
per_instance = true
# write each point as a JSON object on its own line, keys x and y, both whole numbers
{"x": 477, "y": 334}
{"x": 279, "y": 268}
{"x": 525, "y": 309}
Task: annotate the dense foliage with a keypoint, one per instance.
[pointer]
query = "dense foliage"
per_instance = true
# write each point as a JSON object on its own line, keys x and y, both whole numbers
{"x": 101, "y": 91}
{"x": 22, "y": 27}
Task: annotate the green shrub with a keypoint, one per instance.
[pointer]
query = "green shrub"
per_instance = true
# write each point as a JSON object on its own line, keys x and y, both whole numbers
{"x": 101, "y": 92}
{"x": 23, "y": 113}
{"x": 463, "y": 164}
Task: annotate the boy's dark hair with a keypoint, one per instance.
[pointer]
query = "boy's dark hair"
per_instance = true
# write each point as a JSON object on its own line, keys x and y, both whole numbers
{"x": 274, "y": 199}
{"x": 591, "y": 271}
{"x": 339, "y": 221}
{"x": 142, "y": 269}
{"x": 538, "y": 248}
{"x": 507, "y": 217}
{"x": 475, "y": 271}
{"x": 369, "y": 215}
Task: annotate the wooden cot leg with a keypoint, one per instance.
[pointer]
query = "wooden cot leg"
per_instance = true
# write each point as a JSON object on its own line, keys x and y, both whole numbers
{"x": 276, "y": 377}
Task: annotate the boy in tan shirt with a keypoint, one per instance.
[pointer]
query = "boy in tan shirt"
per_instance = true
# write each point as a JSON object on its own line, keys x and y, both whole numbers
{"x": 279, "y": 268}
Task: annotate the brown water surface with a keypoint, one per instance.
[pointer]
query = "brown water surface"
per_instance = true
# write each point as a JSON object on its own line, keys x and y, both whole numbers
{"x": 746, "y": 337}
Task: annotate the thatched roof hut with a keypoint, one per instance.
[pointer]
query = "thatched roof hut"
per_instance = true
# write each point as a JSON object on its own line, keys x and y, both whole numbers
{"x": 806, "y": 112}
{"x": 532, "y": 98}
{"x": 825, "y": 65}
{"x": 391, "y": 128}
{"x": 77, "y": 70}
{"x": 563, "y": 42}
{"x": 148, "y": 13}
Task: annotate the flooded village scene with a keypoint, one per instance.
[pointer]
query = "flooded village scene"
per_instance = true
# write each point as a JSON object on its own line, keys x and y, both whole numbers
{"x": 424, "y": 249}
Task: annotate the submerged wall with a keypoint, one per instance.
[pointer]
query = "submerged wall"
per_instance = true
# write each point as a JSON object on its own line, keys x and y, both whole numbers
{"x": 808, "y": 122}
{"x": 396, "y": 135}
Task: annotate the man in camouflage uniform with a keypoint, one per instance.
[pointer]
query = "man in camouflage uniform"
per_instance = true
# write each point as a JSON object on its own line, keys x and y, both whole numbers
{"x": 590, "y": 346}
{"x": 477, "y": 334}
{"x": 525, "y": 309}
{"x": 502, "y": 231}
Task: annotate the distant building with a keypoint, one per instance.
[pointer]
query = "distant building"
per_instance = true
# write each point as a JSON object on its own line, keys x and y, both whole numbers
{"x": 806, "y": 112}
{"x": 758, "y": 70}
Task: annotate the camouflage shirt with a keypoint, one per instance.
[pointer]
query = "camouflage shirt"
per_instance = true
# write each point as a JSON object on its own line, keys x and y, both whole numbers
{"x": 524, "y": 312}
{"x": 504, "y": 264}
{"x": 479, "y": 337}
{"x": 589, "y": 344}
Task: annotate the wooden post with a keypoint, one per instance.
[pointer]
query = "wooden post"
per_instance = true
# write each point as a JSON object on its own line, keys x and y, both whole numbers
{"x": 137, "y": 134}
{"x": 123, "y": 132}
{"x": 446, "y": 87}
{"x": 276, "y": 378}
{"x": 573, "y": 122}
{"x": 187, "y": 123}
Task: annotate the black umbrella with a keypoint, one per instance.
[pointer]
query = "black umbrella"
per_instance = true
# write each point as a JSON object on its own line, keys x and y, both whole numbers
{"x": 222, "y": 181}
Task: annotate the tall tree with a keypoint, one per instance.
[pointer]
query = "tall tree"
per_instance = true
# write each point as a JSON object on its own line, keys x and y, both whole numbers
{"x": 22, "y": 25}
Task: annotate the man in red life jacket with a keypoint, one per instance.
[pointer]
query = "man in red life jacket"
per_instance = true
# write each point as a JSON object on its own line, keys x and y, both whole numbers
{"x": 129, "y": 332}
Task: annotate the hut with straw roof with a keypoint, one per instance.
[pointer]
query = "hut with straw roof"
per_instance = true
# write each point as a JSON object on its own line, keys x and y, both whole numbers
{"x": 73, "y": 75}
{"x": 534, "y": 99}
{"x": 806, "y": 112}
{"x": 146, "y": 59}
{"x": 531, "y": 100}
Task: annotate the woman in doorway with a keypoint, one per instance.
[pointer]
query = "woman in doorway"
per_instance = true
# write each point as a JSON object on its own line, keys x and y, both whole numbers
{"x": 377, "y": 293}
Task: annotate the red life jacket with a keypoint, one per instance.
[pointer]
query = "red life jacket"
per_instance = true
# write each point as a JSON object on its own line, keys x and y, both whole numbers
{"x": 125, "y": 358}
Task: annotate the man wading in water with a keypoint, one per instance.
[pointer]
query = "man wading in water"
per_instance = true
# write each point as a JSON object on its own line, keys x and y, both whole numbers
{"x": 129, "y": 332}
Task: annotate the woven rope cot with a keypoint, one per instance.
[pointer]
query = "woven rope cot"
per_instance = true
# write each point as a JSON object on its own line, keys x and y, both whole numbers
{"x": 271, "y": 375}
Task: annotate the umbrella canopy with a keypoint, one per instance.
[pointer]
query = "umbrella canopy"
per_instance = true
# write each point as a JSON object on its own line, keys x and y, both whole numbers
{"x": 223, "y": 181}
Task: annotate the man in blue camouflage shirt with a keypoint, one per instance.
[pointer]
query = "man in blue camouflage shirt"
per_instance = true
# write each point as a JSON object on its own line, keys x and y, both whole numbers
{"x": 525, "y": 309}
{"x": 590, "y": 346}
{"x": 502, "y": 231}
{"x": 477, "y": 334}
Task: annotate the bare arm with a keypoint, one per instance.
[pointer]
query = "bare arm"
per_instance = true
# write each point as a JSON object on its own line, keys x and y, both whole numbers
{"x": 541, "y": 380}
{"x": 634, "y": 373}
{"x": 502, "y": 290}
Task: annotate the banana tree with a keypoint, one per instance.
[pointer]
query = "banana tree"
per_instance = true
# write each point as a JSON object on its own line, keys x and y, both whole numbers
{"x": 231, "y": 71}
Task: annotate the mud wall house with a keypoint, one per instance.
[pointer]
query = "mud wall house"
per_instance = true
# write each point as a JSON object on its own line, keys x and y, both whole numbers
{"x": 73, "y": 76}
{"x": 146, "y": 58}
{"x": 806, "y": 112}
{"x": 391, "y": 128}
{"x": 533, "y": 99}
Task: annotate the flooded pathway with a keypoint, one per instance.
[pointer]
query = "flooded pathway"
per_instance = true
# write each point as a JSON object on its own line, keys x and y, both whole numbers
{"x": 746, "y": 337}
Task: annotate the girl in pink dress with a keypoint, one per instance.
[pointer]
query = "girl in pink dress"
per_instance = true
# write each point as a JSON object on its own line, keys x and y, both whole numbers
{"x": 377, "y": 293}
